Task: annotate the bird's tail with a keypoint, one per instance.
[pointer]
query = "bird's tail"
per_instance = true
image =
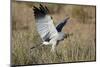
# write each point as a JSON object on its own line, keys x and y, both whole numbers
{"x": 36, "y": 46}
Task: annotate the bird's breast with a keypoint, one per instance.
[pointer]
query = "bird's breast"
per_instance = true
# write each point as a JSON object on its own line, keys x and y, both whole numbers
{"x": 60, "y": 36}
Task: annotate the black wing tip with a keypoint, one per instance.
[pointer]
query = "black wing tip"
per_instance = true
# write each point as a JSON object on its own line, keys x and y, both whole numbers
{"x": 62, "y": 24}
{"x": 41, "y": 5}
{"x": 67, "y": 18}
{"x": 40, "y": 11}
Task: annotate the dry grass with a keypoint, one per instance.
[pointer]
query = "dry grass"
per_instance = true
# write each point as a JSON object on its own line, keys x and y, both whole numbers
{"x": 79, "y": 47}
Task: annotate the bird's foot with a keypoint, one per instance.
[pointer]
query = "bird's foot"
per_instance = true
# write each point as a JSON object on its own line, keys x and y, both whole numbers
{"x": 45, "y": 43}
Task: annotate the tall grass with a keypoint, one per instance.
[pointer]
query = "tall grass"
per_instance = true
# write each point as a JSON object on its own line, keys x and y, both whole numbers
{"x": 79, "y": 47}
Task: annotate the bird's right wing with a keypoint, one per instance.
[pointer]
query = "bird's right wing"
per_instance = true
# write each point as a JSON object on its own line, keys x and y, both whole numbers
{"x": 46, "y": 28}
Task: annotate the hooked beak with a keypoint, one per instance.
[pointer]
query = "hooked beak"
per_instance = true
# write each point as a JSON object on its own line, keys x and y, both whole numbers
{"x": 68, "y": 35}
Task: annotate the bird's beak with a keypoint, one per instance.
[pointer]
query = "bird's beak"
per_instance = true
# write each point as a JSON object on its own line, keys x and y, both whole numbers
{"x": 67, "y": 35}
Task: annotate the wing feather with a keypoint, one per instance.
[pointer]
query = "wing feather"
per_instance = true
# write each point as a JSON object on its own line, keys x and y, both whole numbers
{"x": 60, "y": 25}
{"x": 46, "y": 28}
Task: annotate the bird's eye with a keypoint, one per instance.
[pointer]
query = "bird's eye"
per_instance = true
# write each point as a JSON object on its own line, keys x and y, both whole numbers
{"x": 51, "y": 17}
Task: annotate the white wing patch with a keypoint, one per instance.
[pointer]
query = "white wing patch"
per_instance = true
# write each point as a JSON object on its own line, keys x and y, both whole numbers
{"x": 44, "y": 26}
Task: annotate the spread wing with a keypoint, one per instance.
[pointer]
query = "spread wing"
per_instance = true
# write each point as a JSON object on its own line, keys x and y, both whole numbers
{"x": 45, "y": 26}
{"x": 60, "y": 26}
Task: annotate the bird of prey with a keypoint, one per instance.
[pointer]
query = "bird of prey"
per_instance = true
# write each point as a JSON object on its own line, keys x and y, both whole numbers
{"x": 50, "y": 34}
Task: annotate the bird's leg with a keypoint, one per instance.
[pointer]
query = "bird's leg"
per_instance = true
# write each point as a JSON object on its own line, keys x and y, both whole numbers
{"x": 45, "y": 43}
{"x": 36, "y": 46}
{"x": 53, "y": 47}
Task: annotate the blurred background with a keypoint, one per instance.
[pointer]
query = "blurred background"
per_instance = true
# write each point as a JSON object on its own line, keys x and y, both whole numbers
{"x": 79, "y": 47}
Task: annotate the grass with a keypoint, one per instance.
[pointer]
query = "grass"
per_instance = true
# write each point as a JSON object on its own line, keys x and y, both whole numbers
{"x": 79, "y": 47}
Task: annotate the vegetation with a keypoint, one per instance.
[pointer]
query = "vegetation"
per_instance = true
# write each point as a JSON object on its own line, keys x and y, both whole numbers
{"x": 79, "y": 47}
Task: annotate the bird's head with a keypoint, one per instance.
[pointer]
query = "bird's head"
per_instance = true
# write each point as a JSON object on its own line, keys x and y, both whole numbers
{"x": 67, "y": 35}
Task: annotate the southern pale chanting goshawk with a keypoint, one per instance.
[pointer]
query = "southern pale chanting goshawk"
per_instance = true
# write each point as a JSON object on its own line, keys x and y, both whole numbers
{"x": 50, "y": 34}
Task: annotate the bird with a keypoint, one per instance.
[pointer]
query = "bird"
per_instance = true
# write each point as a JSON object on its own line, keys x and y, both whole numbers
{"x": 49, "y": 33}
